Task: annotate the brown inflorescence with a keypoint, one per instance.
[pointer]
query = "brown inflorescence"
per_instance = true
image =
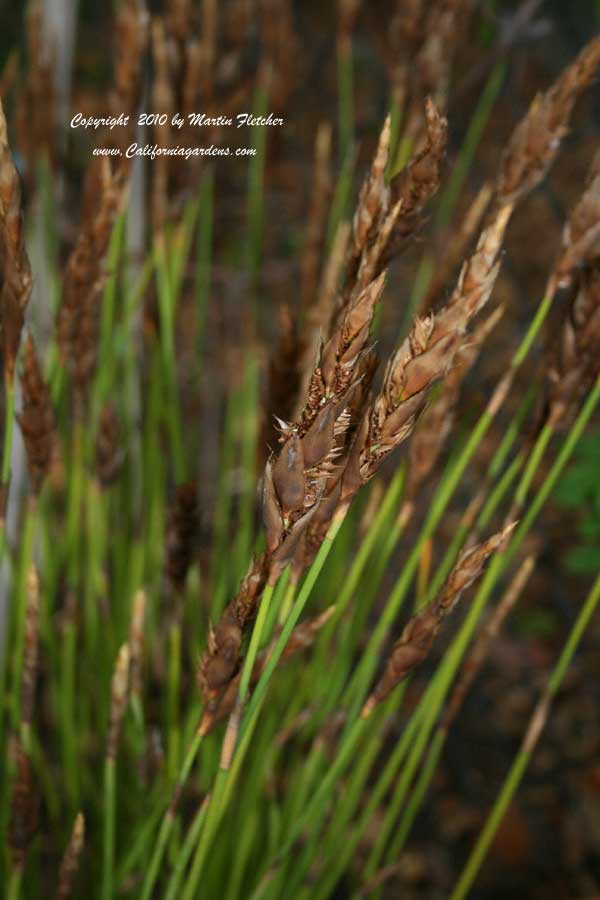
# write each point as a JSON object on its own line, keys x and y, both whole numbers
{"x": 79, "y": 312}
{"x": 71, "y": 859}
{"x": 340, "y": 439}
{"x": 118, "y": 704}
{"x": 15, "y": 273}
{"x": 301, "y": 639}
{"x": 37, "y": 420}
{"x": 418, "y": 635}
{"x": 23, "y": 822}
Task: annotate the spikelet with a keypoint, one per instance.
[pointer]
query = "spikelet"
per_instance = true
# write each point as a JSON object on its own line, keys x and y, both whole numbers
{"x": 418, "y": 636}
{"x": 36, "y": 108}
{"x": 576, "y": 363}
{"x": 36, "y": 419}
{"x": 136, "y": 642}
{"x": 220, "y": 661}
{"x": 386, "y": 217}
{"x": 71, "y": 860}
{"x": 419, "y": 181}
{"x": 577, "y": 360}
{"x": 15, "y": 274}
{"x": 301, "y": 639}
{"x": 438, "y": 419}
{"x": 119, "y": 697}
{"x": 483, "y": 642}
{"x": 536, "y": 140}
{"x": 164, "y": 100}
{"x": 23, "y": 822}
{"x": 131, "y": 40}
{"x": 78, "y": 315}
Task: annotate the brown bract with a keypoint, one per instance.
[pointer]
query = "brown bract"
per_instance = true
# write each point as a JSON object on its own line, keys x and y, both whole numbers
{"x": 37, "y": 418}
{"x": 15, "y": 273}
{"x": 535, "y": 142}
{"x": 78, "y": 315}
{"x": 418, "y": 635}
{"x": 71, "y": 859}
{"x": 24, "y": 808}
{"x": 301, "y": 638}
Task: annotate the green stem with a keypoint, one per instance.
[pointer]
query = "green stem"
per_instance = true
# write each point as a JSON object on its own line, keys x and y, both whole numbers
{"x": 109, "y": 830}
{"x": 529, "y": 744}
{"x": 168, "y": 820}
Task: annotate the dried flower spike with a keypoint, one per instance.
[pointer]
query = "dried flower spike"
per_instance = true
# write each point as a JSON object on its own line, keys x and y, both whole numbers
{"x": 23, "y": 808}
{"x": 15, "y": 274}
{"x": 419, "y": 634}
{"x": 71, "y": 860}
{"x": 119, "y": 696}
{"x": 37, "y": 418}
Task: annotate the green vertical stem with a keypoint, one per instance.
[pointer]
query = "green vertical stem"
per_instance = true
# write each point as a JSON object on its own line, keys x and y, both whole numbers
{"x": 173, "y": 887}
{"x": 173, "y": 691}
{"x": 108, "y": 856}
{"x": 226, "y": 778}
{"x": 530, "y": 740}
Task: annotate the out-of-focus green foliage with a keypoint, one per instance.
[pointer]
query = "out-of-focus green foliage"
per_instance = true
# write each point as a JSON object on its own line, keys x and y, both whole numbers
{"x": 579, "y": 491}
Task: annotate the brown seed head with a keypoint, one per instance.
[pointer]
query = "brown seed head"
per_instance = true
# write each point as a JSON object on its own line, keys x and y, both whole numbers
{"x": 119, "y": 697}
{"x": 37, "y": 418}
{"x": 15, "y": 274}
{"x": 23, "y": 821}
{"x": 71, "y": 859}
{"x": 419, "y": 634}
{"x": 535, "y": 141}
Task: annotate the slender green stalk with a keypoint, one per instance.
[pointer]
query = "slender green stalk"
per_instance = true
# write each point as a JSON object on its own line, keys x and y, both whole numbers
{"x": 168, "y": 819}
{"x": 108, "y": 857}
{"x": 530, "y": 740}
{"x": 533, "y": 463}
{"x": 226, "y": 777}
{"x": 15, "y": 880}
{"x": 173, "y": 690}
